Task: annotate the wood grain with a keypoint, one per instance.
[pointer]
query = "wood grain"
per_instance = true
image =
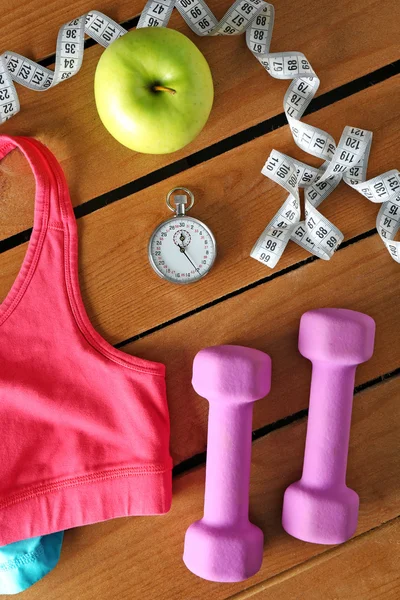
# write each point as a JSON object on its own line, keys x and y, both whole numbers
{"x": 134, "y": 558}
{"x": 141, "y": 557}
{"x": 123, "y": 295}
{"x": 65, "y": 118}
{"x": 267, "y": 317}
{"x": 30, "y": 27}
{"x": 361, "y": 277}
{"x": 366, "y": 568}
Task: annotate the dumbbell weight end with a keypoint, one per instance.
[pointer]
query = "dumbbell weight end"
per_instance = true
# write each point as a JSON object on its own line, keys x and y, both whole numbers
{"x": 320, "y": 508}
{"x": 224, "y": 546}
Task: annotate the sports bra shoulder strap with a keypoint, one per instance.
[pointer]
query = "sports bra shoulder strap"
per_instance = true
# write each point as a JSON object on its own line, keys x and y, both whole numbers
{"x": 52, "y": 203}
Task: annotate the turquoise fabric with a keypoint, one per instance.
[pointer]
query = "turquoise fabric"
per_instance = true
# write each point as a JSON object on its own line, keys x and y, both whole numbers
{"x": 23, "y": 563}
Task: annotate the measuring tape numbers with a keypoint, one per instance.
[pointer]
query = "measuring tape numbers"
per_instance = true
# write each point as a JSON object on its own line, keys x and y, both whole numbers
{"x": 348, "y": 161}
{"x": 69, "y": 56}
{"x": 316, "y": 233}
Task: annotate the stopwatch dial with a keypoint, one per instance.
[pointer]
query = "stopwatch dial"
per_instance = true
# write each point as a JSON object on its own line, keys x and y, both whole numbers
{"x": 182, "y": 238}
{"x": 182, "y": 250}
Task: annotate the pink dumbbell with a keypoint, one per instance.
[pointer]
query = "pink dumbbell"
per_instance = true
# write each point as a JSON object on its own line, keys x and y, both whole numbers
{"x": 320, "y": 508}
{"x": 224, "y": 545}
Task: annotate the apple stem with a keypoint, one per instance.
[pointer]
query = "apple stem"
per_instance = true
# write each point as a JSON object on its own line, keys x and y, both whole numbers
{"x": 162, "y": 88}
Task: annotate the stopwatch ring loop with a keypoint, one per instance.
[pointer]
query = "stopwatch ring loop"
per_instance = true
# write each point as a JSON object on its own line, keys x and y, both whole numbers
{"x": 183, "y": 189}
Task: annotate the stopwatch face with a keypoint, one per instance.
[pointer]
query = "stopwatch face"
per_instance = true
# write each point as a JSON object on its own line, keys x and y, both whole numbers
{"x": 182, "y": 250}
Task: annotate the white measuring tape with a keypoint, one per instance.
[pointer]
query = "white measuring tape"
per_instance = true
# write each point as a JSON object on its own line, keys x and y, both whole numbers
{"x": 69, "y": 55}
{"x": 316, "y": 234}
{"x": 348, "y": 161}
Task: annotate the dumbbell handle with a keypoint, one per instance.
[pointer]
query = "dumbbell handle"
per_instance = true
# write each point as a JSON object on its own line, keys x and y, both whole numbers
{"x": 328, "y": 429}
{"x": 226, "y": 500}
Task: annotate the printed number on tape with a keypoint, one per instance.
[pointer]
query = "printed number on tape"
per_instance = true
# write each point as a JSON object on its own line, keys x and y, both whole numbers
{"x": 347, "y": 161}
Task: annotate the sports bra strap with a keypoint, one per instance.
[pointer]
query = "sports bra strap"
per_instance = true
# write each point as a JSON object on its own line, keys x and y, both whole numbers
{"x": 52, "y": 203}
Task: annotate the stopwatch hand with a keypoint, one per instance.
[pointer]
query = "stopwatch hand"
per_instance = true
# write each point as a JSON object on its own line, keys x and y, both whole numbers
{"x": 182, "y": 249}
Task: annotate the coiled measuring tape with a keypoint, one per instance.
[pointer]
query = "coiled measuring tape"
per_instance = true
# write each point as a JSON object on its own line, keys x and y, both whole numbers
{"x": 316, "y": 233}
{"x": 347, "y": 161}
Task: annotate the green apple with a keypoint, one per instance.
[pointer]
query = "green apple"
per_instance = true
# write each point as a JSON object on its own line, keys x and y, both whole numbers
{"x": 153, "y": 90}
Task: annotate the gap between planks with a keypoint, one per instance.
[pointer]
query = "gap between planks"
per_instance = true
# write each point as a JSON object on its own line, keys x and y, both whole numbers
{"x": 103, "y": 276}
{"x": 311, "y": 562}
{"x": 199, "y": 460}
{"x": 246, "y": 288}
{"x": 156, "y": 570}
{"x": 217, "y": 149}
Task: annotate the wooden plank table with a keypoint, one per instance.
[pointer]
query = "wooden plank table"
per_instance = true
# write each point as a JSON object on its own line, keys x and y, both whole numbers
{"x": 118, "y": 197}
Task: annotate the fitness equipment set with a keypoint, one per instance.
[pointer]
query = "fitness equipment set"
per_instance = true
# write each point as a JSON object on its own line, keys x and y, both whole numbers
{"x": 319, "y": 508}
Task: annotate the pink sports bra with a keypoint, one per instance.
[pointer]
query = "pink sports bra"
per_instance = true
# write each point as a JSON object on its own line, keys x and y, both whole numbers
{"x": 84, "y": 427}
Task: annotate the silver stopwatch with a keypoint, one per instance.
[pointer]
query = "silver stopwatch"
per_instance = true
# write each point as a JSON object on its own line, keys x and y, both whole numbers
{"x": 182, "y": 249}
